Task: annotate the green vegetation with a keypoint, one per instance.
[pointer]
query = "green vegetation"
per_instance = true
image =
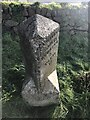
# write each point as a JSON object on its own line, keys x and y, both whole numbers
{"x": 51, "y": 6}
{"x": 72, "y": 67}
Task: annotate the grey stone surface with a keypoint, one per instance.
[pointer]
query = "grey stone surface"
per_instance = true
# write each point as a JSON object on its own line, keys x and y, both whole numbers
{"x": 38, "y": 10}
{"x": 49, "y": 14}
{"x": 30, "y": 11}
{"x": 53, "y": 13}
{"x": 11, "y": 23}
{"x": 39, "y": 37}
{"x": 44, "y": 11}
{"x": 25, "y": 13}
{"x": 6, "y": 16}
{"x": 57, "y": 19}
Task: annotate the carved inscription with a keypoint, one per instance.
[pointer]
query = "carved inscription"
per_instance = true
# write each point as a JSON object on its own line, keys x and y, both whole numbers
{"x": 51, "y": 50}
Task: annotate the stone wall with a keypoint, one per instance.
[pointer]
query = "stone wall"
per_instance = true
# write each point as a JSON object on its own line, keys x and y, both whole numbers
{"x": 20, "y": 12}
{"x": 73, "y": 22}
{"x": 8, "y": 11}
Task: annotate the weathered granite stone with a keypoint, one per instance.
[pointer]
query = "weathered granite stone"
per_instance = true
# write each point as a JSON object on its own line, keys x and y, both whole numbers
{"x": 57, "y": 19}
{"x": 53, "y": 13}
{"x": 49, "y": 14}
{"x": 6, "y": 12}
{"x": 39, "y": 37}
{"x": 6, "y": 16}
{"x": 11, "y": 23}
{"x": 38, "y": 10}
{"x": 30, "y": 11}
{"x": 44, "y": 11}
{"x": 25, "y": 12}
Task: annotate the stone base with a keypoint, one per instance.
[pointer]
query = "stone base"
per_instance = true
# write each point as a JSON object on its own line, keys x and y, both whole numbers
{"x": 42, "y": 112}
{"x": 46, "y": 95}
{"x": 42, "y": 98}
{"x": 41, "y": 102}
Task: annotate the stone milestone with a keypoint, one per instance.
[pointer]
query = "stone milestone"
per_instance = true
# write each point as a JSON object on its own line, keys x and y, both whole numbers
{"x": 39, "y": 38}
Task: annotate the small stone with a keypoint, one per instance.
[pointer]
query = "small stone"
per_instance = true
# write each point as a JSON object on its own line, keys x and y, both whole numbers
{"x": 44, "y": 11}
{"x": 53, "y": 13}
{"x": 25, "y": 13}
{"x": 49, "y": 14}
{"x": 38, "y": 11}
{"x": 30, "y": 11}
{"x": 6, "y": 16}
{"x": 57, "y": 19}
{"x": 11, "y": 23}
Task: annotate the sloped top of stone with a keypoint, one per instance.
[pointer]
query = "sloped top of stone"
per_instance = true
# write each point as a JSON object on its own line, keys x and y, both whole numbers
{"x": 38, "y": 25}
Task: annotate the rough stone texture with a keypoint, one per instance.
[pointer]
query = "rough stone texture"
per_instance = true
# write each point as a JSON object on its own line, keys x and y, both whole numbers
{"x": 57, "y": 19}
{"x": 11, "y": 23}
{"x": 38, "y": 11}
{"x": 44, "y": 11}
{"x": 25, "y": 13}
{"x": 49, "y": 14}
{"x": 39, "y": 42}
{"x": 31, "y": 11}
{"x": 6, "y": 10}
{"x": 6, "y": 16}
{"x": 53, "y": 13}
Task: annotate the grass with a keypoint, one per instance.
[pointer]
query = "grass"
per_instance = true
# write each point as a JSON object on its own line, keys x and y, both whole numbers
{"x": 15, "y": 108}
